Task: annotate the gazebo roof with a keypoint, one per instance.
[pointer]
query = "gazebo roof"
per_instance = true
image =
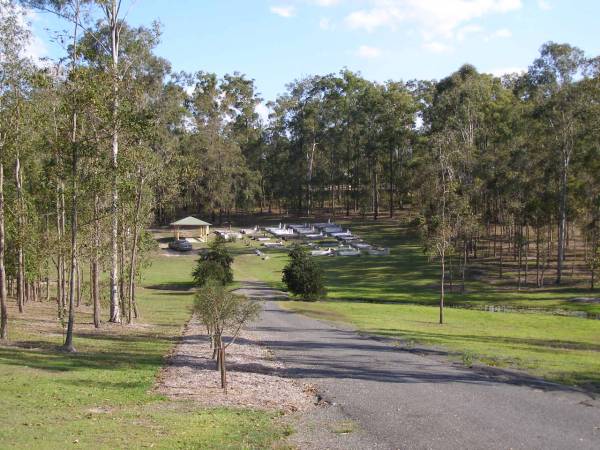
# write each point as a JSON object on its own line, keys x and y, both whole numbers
{"x": 189, "y": 222}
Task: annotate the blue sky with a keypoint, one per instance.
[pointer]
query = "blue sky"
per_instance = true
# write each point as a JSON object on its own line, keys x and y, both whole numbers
{"x": 277, "y": 41}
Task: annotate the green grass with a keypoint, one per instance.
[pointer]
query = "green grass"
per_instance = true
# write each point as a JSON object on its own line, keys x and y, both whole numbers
{"x": 101, "y": 397}
{"x": 251, "y": 267}
{"x": 562, "y": 349}
{"x": 407, "y": 276}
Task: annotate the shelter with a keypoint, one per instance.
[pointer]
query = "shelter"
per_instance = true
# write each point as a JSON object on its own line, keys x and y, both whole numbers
{"x": 191, "y": 224}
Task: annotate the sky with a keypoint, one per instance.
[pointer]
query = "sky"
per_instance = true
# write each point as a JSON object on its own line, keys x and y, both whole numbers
{"x": 277, "y": 41}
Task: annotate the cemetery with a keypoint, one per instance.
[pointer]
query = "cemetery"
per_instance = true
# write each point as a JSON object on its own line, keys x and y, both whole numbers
{"x": 323, "y": 239}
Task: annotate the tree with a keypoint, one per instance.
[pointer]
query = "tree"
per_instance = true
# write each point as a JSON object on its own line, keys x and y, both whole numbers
{"x": 223, "y": 312}
{"x": 442, "y": 204}
{"x": 553, "y": 74}
{"x": 303, "y": 276}
{"x": 215, "y": 264}
{"x": 15, "y": 73}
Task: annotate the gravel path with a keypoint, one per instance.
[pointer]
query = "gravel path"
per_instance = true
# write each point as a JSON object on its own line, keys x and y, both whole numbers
{"x": 255, "y": 378}
{"x": 387, "y": 398}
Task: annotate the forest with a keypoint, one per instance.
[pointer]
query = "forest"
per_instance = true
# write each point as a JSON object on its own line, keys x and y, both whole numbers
{"x": 108, "y": 141}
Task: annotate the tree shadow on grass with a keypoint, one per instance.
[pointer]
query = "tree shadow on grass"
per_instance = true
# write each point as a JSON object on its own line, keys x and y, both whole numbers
{"x": 179, "y": 286}
{"x": 130, "y": 338}
{"x": 50, "y": 358}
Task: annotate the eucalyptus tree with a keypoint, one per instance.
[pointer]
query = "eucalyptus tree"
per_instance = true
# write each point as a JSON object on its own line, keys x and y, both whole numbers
{"x": 353, "y": 86}
{"x": 112, "y": 11}
{"x": 15, "y": 71}
{"x": 304, "y": 123}
{"x": 587, "y": 183}
{"x": 126, "y": 122}
{"x": 441, "y": 201}
{"x": 240, "y": 100}
{"x": 143, "y": 136}
{"x": 459, "y": 110}
{"x": 398, "y": 129}
{"x": 170, "y": 121}
{"x": 216, "y": 171}
{"x": 553, "y": 76}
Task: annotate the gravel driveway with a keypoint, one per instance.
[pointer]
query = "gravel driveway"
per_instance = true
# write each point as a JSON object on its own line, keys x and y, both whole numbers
{"x": 399, "y": 399}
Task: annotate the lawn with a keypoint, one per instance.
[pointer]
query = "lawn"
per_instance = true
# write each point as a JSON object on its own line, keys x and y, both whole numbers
{"x": 407, "y": 276}
{"x": 251, "y": 267}
{"x": 102, "y": 396}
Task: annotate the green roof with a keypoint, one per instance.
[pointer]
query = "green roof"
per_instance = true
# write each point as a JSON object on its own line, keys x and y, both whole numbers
{"x": 189, "y": 222}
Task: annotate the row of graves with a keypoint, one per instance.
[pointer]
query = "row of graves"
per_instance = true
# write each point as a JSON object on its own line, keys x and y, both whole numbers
{"x": 229, "y": 235}
{"x": 324, "y": 239}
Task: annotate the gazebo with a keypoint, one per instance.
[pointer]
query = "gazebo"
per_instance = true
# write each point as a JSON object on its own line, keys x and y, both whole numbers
{"x": 191, "y": 223}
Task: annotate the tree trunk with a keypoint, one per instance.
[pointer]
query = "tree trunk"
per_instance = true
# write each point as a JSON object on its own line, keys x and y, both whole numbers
{"x": 95, "y": 288}
{"x": 443, "y": 279}
{"x": 311, "y": 158}
{"x": 537, "y": 255}
{"x": 391, "y": 183}
{"x": 122, "y": 259}
{"x": 138, "y": 203}
{"x": 20, "y": 237}
{"x": 68, "y": 345}
{"x": 59, "y": 272}
{"x": 464, "y": 266}
{"x": 3, "y": 305}
{"x": 562, "y": 224}
{"x": 79, "y": 287}
{"x": 112, "y": 12}
{"x": 223, "y": 367}
{"x": 520, "y": 261}
{"x": 526, "y": 256}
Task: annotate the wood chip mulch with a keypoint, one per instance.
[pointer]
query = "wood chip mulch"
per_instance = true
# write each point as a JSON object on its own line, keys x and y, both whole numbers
{"x": 255, "y": 378}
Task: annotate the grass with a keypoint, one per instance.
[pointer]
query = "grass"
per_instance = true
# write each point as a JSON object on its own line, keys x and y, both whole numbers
{"x": 562, "y": 349}
{"x": 407, "y": 276}
{"x": 102, "y": 396}
{"x": 251, "y": 267}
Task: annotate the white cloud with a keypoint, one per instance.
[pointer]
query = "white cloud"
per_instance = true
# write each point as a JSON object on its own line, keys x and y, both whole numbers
{"x": 463, "y": 32}
{"x": 502, "y": 33}
{"x": 327, "y": 2}
{"x": 499, "y": 72}
{"x": 368, "y": 20}
{"x": 325, "y": 24}
{"x": 433, "y": 18}
{"x": 544, "y": 5}
{"x": 284, "y": 11}
{"x": 436, "y": 47}
{"x": 367, "y": 52}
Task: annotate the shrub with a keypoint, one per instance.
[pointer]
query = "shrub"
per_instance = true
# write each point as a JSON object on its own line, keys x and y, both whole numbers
{"x": 215, "y": 264}
{"x": 302, "y": 275}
